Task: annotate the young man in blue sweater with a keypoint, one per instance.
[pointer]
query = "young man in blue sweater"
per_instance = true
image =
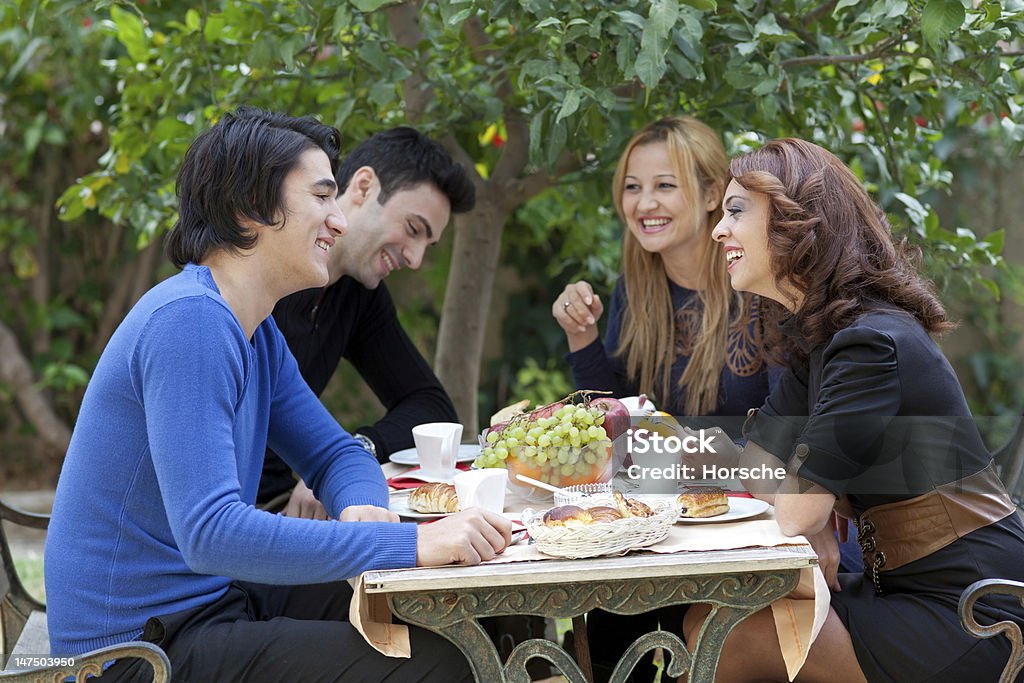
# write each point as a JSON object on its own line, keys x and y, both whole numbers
{"x": 154, "y": 534}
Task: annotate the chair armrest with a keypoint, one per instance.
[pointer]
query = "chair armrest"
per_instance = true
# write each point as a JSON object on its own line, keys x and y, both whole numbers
{"x": 91, "y": 663}
{"x": 20, "y": 517}
{"x": 980, "y": 589}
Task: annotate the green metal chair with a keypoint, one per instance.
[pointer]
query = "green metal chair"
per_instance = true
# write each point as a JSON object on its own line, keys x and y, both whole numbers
{"x": 1009, "y": 460}
{"x": 23, "y": 625}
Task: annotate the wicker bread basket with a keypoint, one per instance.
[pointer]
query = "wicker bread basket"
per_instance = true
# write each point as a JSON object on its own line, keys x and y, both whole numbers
{"x": 601, "y": 538}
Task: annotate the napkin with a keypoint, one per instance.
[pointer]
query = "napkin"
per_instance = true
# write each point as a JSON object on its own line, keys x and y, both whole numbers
{"x": 410, "y": 479}
{"x": 371, "y": 615}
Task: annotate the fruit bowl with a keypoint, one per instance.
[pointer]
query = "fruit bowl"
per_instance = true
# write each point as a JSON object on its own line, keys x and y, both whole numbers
{"x": 562, "y": 467}
{"x": 577, "y": 440}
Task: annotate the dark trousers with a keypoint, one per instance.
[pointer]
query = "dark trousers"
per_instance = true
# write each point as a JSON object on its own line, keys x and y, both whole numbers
{"x": 285, "y": 633}
{"x": 610, "y": 635}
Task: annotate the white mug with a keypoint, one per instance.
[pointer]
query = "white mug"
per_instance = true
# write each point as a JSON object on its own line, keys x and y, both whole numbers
{"x": 437, "y": 444}
{"x": 482, "y": 488}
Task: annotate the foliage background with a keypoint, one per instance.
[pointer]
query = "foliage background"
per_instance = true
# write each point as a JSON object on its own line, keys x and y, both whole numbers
{"x": 100, "y": 100}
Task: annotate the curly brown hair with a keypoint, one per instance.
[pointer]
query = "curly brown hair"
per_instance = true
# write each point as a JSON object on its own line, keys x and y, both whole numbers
{"x": 828, "y": 238}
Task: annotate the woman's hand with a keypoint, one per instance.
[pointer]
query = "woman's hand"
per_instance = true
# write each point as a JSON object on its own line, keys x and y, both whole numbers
{"x": 577, "y": 309}
{"x": 826, "y": 547}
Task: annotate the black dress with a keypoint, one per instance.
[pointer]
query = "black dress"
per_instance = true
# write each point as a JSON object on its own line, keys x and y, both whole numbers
{"x": 884, "y": 419}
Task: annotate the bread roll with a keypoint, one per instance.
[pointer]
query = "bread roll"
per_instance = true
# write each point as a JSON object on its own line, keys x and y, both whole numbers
{"x": 434, "y": 498}
{"x": 703, "y": 501}
{"x": 567, "y": 515}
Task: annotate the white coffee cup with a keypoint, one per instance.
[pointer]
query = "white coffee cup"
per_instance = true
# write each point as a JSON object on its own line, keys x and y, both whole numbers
{"x": 483, "y": 488}
{"x": 437, "y": 444}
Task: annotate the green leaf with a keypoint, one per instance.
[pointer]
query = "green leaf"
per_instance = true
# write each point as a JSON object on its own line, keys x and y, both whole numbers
{"x": 556, "y": 141}
{"x": 843, "y": 4}
{"x": 703, "y": 5}
{"x": 193, "y": 20}
{"x": 631, "y": 18}
{"x": 214, "y": 30}
{"x": 289, "y": 48}
{"x": 996, "y": 240}
{"x": 768, "y": 26}
{"x": 460, "y": 16}
{"x": 536, "y": 132}
{"x": 372, "y": 5}
{"x": 940, "y": 18}
{"x": 650, "y": 64}
{"x": 382, "y": 93}
{"x": 131, "y": 33}
{"x": 569, "y": 105}
{"x": 897, "y": 9}
{"x": 991, "y": 286}
{"x": 26, "y": 54}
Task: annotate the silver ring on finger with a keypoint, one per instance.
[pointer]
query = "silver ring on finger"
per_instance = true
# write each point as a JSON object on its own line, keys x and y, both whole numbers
{"x": 565, "y": 305}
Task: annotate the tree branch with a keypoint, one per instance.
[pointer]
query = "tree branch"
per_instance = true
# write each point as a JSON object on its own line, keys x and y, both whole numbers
{"x": 16, "y": 371}
{"x": 535, "y": 183}
{"x": 818, "y": 12}
{"x": 811, "y": 60}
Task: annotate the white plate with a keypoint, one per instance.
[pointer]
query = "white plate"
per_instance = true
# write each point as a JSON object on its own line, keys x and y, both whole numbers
{"x": 739, "y": 508}
{"x": 399, "y": 504}
{"x": 467, "y": 453}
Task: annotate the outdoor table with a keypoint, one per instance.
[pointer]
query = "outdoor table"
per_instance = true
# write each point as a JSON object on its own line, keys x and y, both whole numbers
{"x": 450, "y": 600}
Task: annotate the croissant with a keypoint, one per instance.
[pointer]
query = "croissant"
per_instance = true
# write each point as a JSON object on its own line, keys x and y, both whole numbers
{"x": 703, "y": 501}
{"x": 631, "y": 507}
{"x": 604, "y": 513}
{"x": 434, "y": 498}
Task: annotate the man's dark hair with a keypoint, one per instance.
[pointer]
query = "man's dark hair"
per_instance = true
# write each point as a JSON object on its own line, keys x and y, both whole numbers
{"x": 403, "y": 158}
{"x": 236, "y": 169}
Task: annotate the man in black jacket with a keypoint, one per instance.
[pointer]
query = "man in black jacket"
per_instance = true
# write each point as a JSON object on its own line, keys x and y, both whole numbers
{"x": 398, "y": 190}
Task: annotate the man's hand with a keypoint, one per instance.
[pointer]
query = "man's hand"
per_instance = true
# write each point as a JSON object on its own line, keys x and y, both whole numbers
{"x": 577, "y": 309}
{"x": 726, "y": 452}
{"x": 826, "y": 546}
{"x": 367, "y": 513}
{"x": 468, "y": 537}
{"x": 303, "y": 504}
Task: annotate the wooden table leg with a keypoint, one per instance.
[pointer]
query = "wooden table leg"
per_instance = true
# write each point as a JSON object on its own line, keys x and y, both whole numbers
{"x": 582, "y": 643}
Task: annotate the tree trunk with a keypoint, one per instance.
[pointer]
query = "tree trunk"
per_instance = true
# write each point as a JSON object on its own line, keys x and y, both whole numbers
{"x": 467, "y": 299}
{"x": 16, "y": 371}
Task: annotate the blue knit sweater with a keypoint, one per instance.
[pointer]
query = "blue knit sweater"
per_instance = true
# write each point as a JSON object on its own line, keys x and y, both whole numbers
{"x": 154, "y": 510}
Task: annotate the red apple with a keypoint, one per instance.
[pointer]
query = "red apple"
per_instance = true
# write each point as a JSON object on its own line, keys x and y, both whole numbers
{"x": 616, "y": 415}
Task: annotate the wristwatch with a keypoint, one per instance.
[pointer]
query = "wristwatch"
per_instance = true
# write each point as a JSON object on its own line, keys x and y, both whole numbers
{"x": 367, "y": 443}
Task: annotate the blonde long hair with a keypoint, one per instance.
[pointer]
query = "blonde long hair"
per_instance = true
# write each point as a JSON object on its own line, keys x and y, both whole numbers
{"x": 647, "y": 340}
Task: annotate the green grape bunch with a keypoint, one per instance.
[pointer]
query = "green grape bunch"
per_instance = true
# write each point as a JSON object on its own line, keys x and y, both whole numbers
{"x": 562, "y": 443}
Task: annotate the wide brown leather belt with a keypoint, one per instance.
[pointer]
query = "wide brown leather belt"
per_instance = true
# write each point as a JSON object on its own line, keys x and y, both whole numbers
{"x": 896, "y": 534}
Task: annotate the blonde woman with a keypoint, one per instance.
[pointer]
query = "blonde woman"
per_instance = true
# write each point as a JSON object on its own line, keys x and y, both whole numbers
{"x": 676, "y": 330}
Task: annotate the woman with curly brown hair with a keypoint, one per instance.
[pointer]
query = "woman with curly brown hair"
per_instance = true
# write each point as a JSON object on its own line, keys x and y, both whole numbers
{"x": 870, "y": 422}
